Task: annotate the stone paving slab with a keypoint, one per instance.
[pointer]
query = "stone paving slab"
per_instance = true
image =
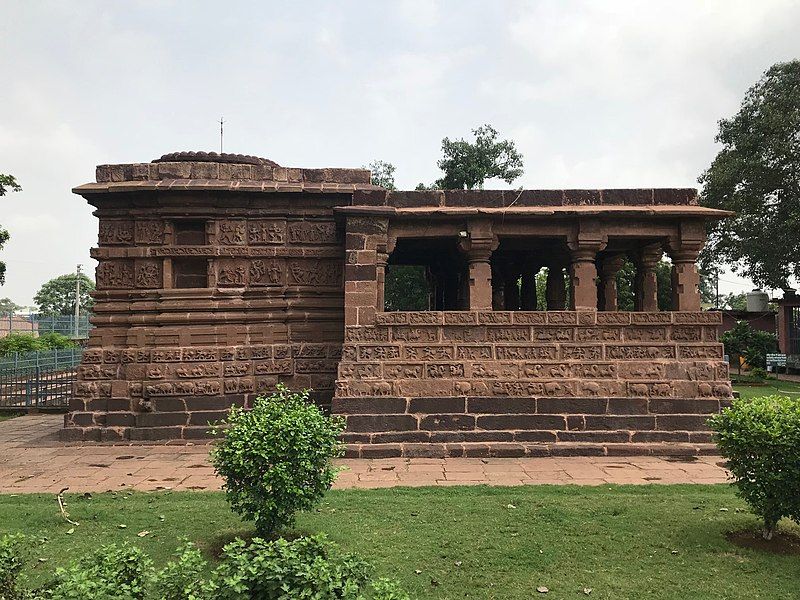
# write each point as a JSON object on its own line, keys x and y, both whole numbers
{"x": 33, "y": 460}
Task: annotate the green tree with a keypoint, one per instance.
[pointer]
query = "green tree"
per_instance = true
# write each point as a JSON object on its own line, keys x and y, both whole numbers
{"x": 382, "y": 174}
{"x": 406, "y": 288}
{"x": 626, "y": 285}
{"x": 57, "y": 296}
{"x": 467, "y": 165}
{"x": 757, "y": 175}
{"x": 7, "y": 182}
{"x": 734, "y": 301}
{"x": 751, "y": 344}
{"x": 8, "y": 307}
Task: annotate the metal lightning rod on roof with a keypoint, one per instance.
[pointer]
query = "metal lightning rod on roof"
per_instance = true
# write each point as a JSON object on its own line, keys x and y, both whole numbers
{"x": 221, "y": 121}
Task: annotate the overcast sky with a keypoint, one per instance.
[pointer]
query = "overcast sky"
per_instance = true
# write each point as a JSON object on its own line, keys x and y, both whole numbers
{"x": 595, "y": 94}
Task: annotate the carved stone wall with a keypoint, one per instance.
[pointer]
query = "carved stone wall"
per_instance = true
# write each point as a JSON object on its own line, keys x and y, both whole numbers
{"x": 439, "y": 382}
{"x": 220, "y": 276}
{"x": 163, "y": 361}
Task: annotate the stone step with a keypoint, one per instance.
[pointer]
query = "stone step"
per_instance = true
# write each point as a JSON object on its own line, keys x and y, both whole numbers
{"x": 519, "y": 450}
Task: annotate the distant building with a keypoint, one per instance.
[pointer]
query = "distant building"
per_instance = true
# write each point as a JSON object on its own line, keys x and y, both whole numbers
{"x": 789, "y": 328}
{"x": 17, "y": 324}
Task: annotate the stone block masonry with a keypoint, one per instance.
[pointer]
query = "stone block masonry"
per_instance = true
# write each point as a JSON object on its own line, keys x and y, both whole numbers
{"x": 463, "y": 382}
{"x": 220, "y": 276}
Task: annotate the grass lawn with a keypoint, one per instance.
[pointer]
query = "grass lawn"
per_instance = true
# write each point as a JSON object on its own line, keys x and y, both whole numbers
{"x": 769, "y": 387}
{"x": 468, "y": 542}
{"x": 5, "y": 416}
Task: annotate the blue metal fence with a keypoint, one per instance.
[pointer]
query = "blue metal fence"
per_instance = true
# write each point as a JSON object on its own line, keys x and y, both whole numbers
{"x": 45, "y": 360}
{"x": 38, "y": 379}
{"x": 38, "y": 323}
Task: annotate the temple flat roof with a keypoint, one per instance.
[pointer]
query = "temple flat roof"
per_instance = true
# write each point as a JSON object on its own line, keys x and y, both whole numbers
{"x": 540, "y": 211}
{"x": 211, "y": 172}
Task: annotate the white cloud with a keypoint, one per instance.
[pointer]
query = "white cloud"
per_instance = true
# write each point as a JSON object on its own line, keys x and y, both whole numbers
{"x": 594, "y": 93}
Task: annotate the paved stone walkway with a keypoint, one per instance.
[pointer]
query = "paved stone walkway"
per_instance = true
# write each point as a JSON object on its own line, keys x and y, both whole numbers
{"x": 33, "y": 460}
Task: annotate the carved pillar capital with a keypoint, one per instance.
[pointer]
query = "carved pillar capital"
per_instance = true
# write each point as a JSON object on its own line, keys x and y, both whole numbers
{"x": 478, "y": 249}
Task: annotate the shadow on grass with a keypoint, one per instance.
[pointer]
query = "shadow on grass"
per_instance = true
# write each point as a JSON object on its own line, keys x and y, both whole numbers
{"x": 214, "y": 546}
{"x": 783, "y": 542}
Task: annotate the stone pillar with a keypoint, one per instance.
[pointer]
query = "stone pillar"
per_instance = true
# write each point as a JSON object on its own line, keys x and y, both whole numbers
{"x": 683, "y": 250}
{"x": 478, "y": 247}
{"x": 609, "y": 267}
{"x": 529, "y": 271}
{"x": 556, "y": 291}
{"x": 584, "y": 243}
{"x": 685, "y": 281}
{"x": 365, "y": 236}
{"x": 583, "y": 273}
{"x": 380, "y": 277}
{"x": 646, "y": 281}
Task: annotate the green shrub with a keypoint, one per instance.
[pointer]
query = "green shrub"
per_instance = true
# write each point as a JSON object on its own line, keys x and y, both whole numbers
{"x": 54, "y": 340}
{"x": 758, "y": 373}
{"x": 182, "y": 579}
{"x": 760, "y": 438}
{"x": 388, "y": 589}
{"x": 276, "y": 458}
{"x": 110, "y": 573}
{"x": 26, "y": 342}
{"x": 309, "y": 567}
{"x": 12, "y": 560}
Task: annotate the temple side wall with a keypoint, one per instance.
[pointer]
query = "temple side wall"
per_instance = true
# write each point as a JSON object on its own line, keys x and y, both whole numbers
{"x": 602, "y": 377}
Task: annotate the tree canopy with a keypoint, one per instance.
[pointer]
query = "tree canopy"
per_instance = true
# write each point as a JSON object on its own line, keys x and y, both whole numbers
{"x": 757, "y": 175}
{"x": 7, "y": 183}
{"x": 466, "y": 165}
{"x": 57, "y": 296}
{"x": 382, "y": 174}
{"x": 8, "y": 307}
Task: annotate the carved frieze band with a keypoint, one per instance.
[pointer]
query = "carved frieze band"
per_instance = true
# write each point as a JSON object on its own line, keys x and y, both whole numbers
{"x": 128, "y": 274}
{"x": 235, "y": 272}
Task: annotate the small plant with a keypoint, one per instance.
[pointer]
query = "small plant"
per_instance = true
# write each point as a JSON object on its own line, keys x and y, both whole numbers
{"x": 276, "y": 458}
{"x": 760, "y": 438}
{"x": 309, "y": 567}
{"x": 182, "y": 578}
{"x": 110, "y": 573}
{"x": 388, "y": 589}
{"x": 758, "y": 374}
{"x": 12, "y": 560}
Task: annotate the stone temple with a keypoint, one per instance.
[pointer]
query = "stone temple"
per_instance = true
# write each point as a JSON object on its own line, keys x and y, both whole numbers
{"x": 220, "y": 276}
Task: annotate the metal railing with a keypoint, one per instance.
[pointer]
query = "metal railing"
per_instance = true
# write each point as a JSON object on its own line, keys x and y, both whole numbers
{"x": 46, "y": 361}
{"x": 794, "y": 331}
{"x": 38, "y": 379}
{"x": 41, "y": 324}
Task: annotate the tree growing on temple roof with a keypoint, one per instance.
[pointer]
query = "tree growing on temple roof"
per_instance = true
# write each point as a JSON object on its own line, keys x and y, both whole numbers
{"x": 467, "y": 165}
{"x": 757, "y": 175}
{"x": 382, "y": 174}
{"x": 7, "y": 182}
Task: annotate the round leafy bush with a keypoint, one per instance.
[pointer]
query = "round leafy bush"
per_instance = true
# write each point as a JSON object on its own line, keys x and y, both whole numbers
{"x": 760, "y": 438}
{"x": 276, "y": 458}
